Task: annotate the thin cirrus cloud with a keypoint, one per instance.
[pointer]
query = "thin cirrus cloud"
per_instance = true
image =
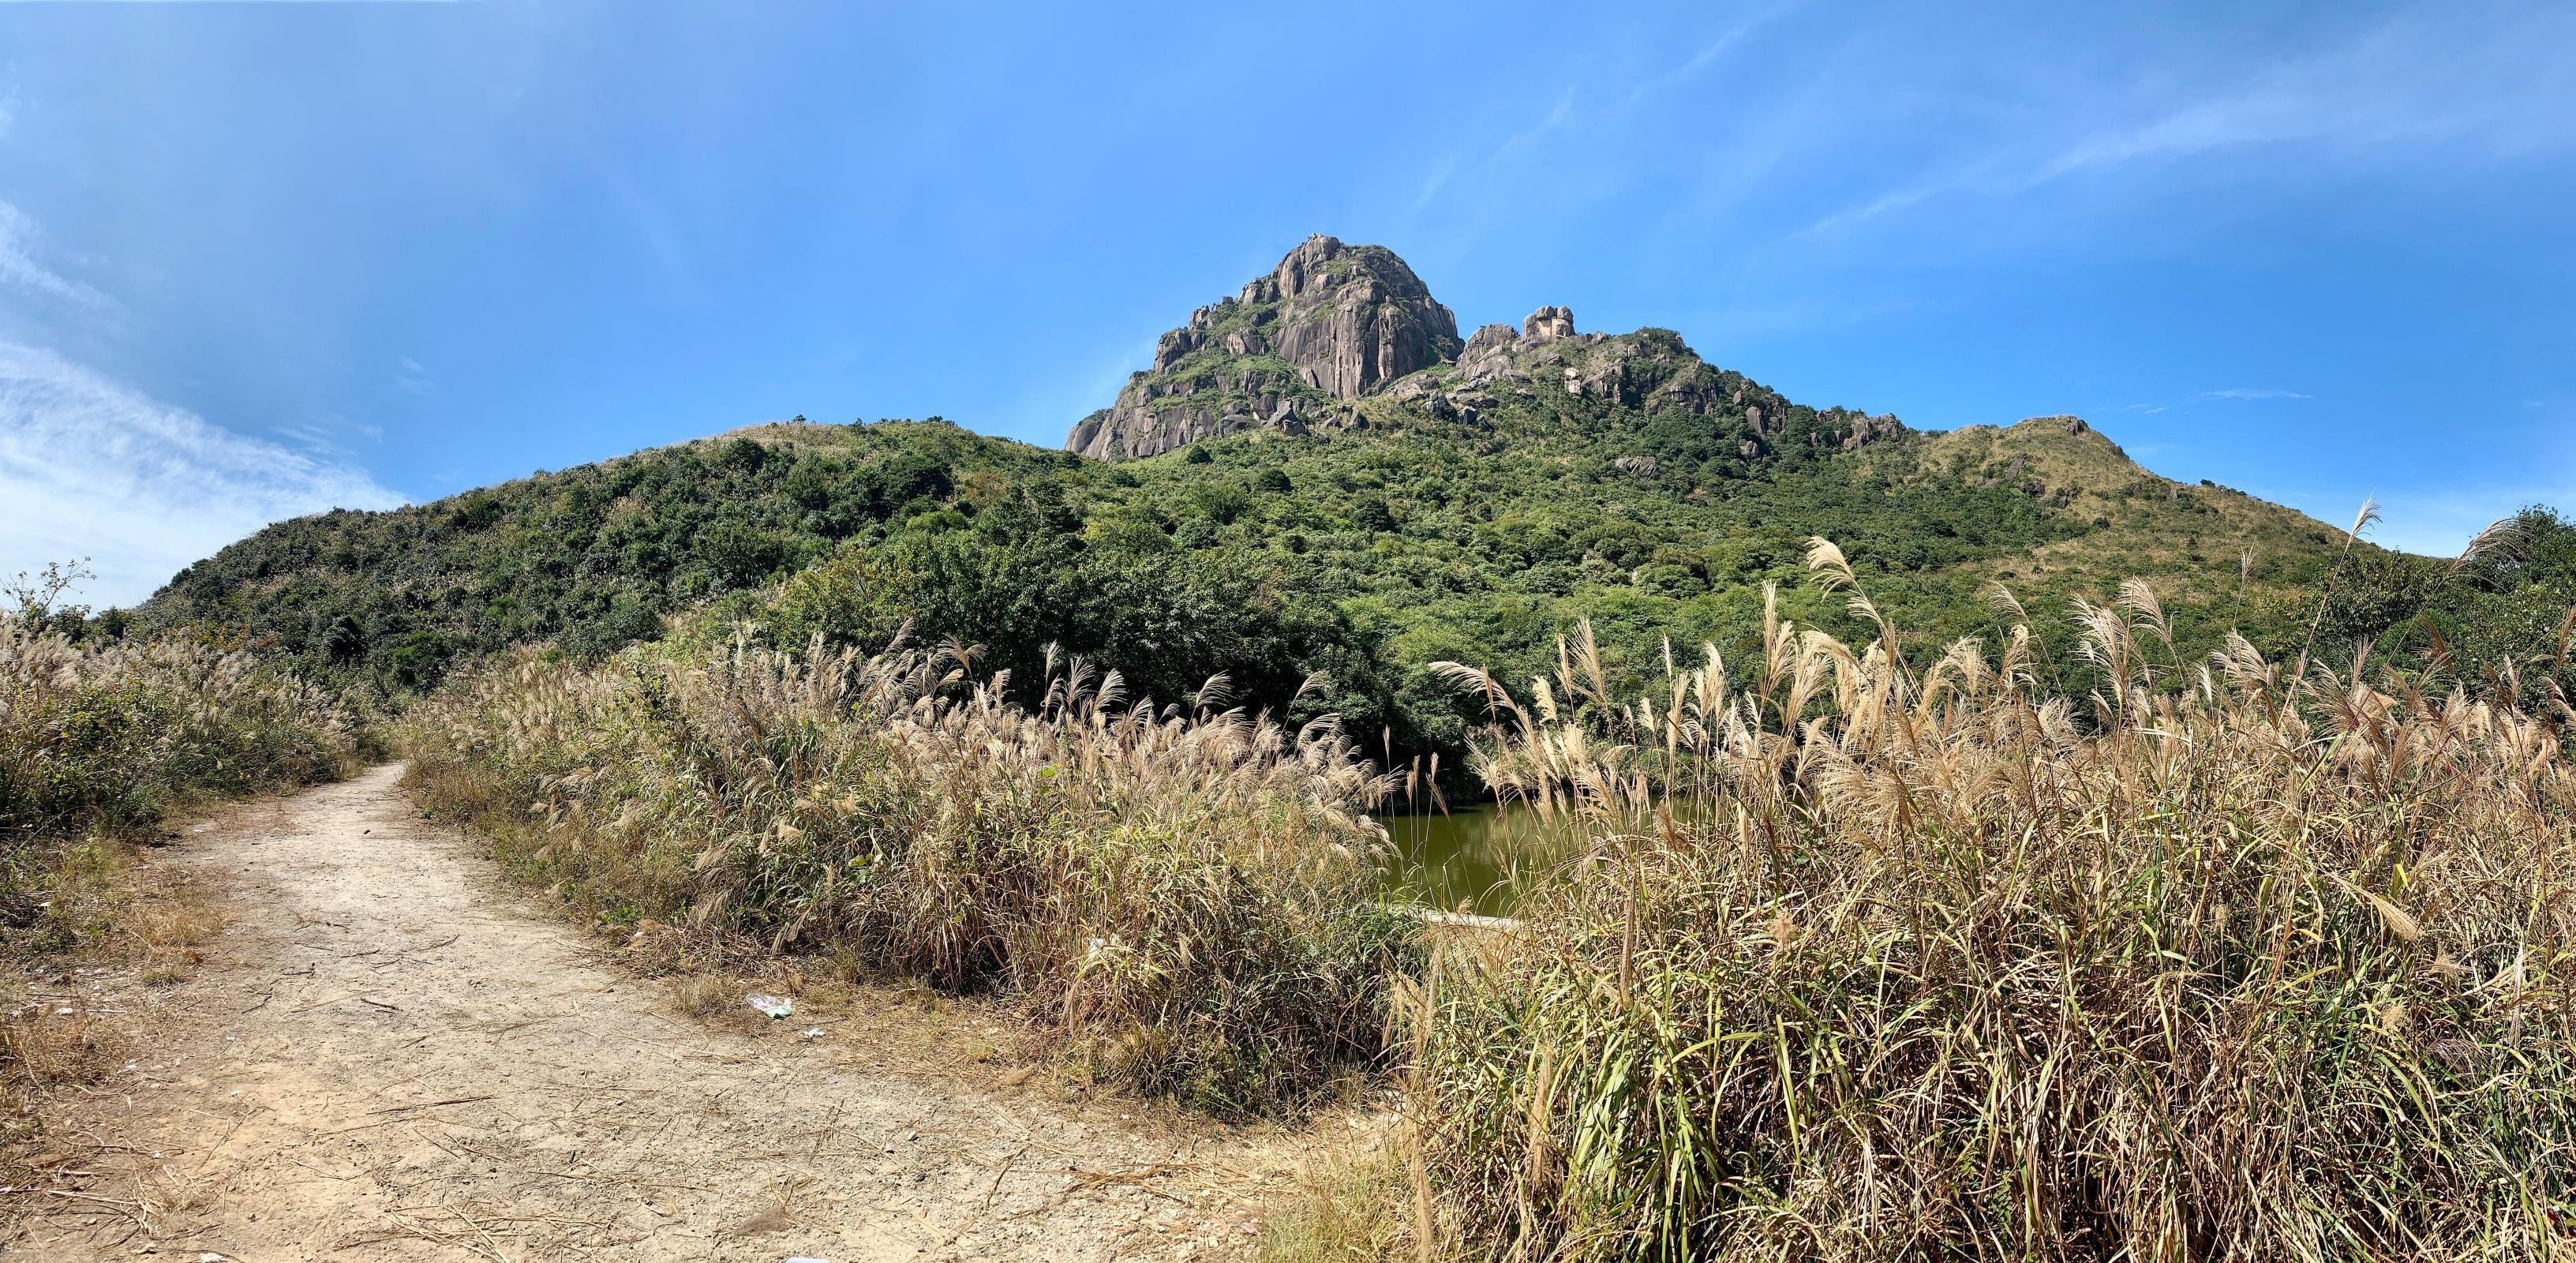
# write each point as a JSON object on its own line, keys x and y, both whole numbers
{"x": 19, "y": 265}
{"x": 1725, "y": 42}
{"x": 2235, "y": 394}
{"x": 91, "y": 467}
{"x": 2418, "y": 82}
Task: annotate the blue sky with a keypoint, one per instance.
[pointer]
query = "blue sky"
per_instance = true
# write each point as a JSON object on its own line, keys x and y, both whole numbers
{"x": 256, "y": 260}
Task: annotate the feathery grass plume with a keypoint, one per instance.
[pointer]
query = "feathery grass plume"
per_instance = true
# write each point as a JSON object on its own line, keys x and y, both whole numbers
{"x": 2503, "y": 539}
{"x": 2361, "y": 521}
{"x": 2278, "y": 965}
{"x": 2139, "y": 599}
{"x": 1187, "y": 898}
{"x": 2002, "y": 598}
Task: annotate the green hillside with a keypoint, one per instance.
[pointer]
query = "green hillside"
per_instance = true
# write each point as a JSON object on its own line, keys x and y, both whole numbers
{"x": 1363, "y": 555}
{"x": 1469, "y": 509}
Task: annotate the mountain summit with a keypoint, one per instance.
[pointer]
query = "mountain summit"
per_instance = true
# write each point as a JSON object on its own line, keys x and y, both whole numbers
{"x": 1302, "y": 346}
{"x": 1329, "y": 324}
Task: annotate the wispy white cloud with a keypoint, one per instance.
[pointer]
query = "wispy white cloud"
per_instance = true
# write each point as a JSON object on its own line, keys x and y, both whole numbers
{"x": 328, "y": 433}
{"x": 1710, "y": 52}
{"x": 2429, "y": 83}
{"x": 1571, "y": 110}
{"x": 2432, "y": 74}
{"x": 654, "y": 227}
{"x": 1050, "y": 402}
{"x": 1435, "y": 179}
{"x": 20, "y": 267}
{"x": 2233, "y": 395}
{"x": 1556, "y": 118}
{"x": 13, "y": 106}
{"x": 1886, "y": 203}
{"x": 91, "y": 467}
{"x": 410, "y": 376}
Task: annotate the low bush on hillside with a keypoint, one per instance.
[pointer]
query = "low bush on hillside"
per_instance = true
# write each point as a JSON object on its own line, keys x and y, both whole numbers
{"x": 1185, "y": 897}
{"x": 109, "y": 738}
{"x": 1871, "y": 958}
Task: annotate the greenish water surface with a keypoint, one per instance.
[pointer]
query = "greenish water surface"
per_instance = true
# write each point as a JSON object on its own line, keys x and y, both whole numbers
{"x": 1469, "y": 858}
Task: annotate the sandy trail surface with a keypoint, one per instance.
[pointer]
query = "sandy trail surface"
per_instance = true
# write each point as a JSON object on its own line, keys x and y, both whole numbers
{"x": 387, "y": 1056}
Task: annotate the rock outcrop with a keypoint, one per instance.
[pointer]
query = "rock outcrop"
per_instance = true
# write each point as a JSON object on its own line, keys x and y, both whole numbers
{"x": 1296, "y": 348}
{"x": 1487, "y": 342}
{"x": 1329, "y": 324}
{"x": 1547, "y": 324}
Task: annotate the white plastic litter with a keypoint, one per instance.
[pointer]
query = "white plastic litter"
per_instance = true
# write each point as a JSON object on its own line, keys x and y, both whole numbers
{"x": 774, "y": 1006}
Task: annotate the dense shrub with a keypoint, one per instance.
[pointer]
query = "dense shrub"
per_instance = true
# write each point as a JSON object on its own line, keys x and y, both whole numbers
{"x": 116, "y": 734}
{"x": 113, "y": 736}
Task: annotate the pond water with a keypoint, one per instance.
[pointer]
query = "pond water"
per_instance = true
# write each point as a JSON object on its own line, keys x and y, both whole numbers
{"x": 1471, "y": 857}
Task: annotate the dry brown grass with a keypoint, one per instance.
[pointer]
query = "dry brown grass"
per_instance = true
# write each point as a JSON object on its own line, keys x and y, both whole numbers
{"x": 1871, "y": 958}
{"x": 42, "y": 1054}
{"x": 1339, "y": 1215}
{"x": 111, "y": 920}
{"x": 170, "y": 934}
{"x": 1184, "y": 898}
{"x": 705, "y": 995}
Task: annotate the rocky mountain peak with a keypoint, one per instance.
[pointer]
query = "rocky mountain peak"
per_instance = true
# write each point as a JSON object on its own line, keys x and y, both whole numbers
{"x": 1299, "y": 345}
{"x": 1330, "y": 323}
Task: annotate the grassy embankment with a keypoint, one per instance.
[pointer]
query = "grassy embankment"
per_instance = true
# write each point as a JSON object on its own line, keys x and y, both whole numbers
{"x": 1184, "y": 899}
{"x": 2258, "y": 961}
{"x": 98, "y": 745}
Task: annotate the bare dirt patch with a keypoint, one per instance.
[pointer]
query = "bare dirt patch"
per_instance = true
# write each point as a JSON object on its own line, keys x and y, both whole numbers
{"x": 385, "y": 1057}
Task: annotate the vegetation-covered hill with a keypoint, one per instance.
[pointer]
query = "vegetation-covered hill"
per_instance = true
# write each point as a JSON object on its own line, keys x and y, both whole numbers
{"x": 1470, "y": 508}
{"x": 1319, "y": 480}
{"x": 1363, "y": 555}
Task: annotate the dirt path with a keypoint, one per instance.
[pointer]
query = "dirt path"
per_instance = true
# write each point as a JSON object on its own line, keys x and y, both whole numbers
{"x": 384, "y": 1057}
